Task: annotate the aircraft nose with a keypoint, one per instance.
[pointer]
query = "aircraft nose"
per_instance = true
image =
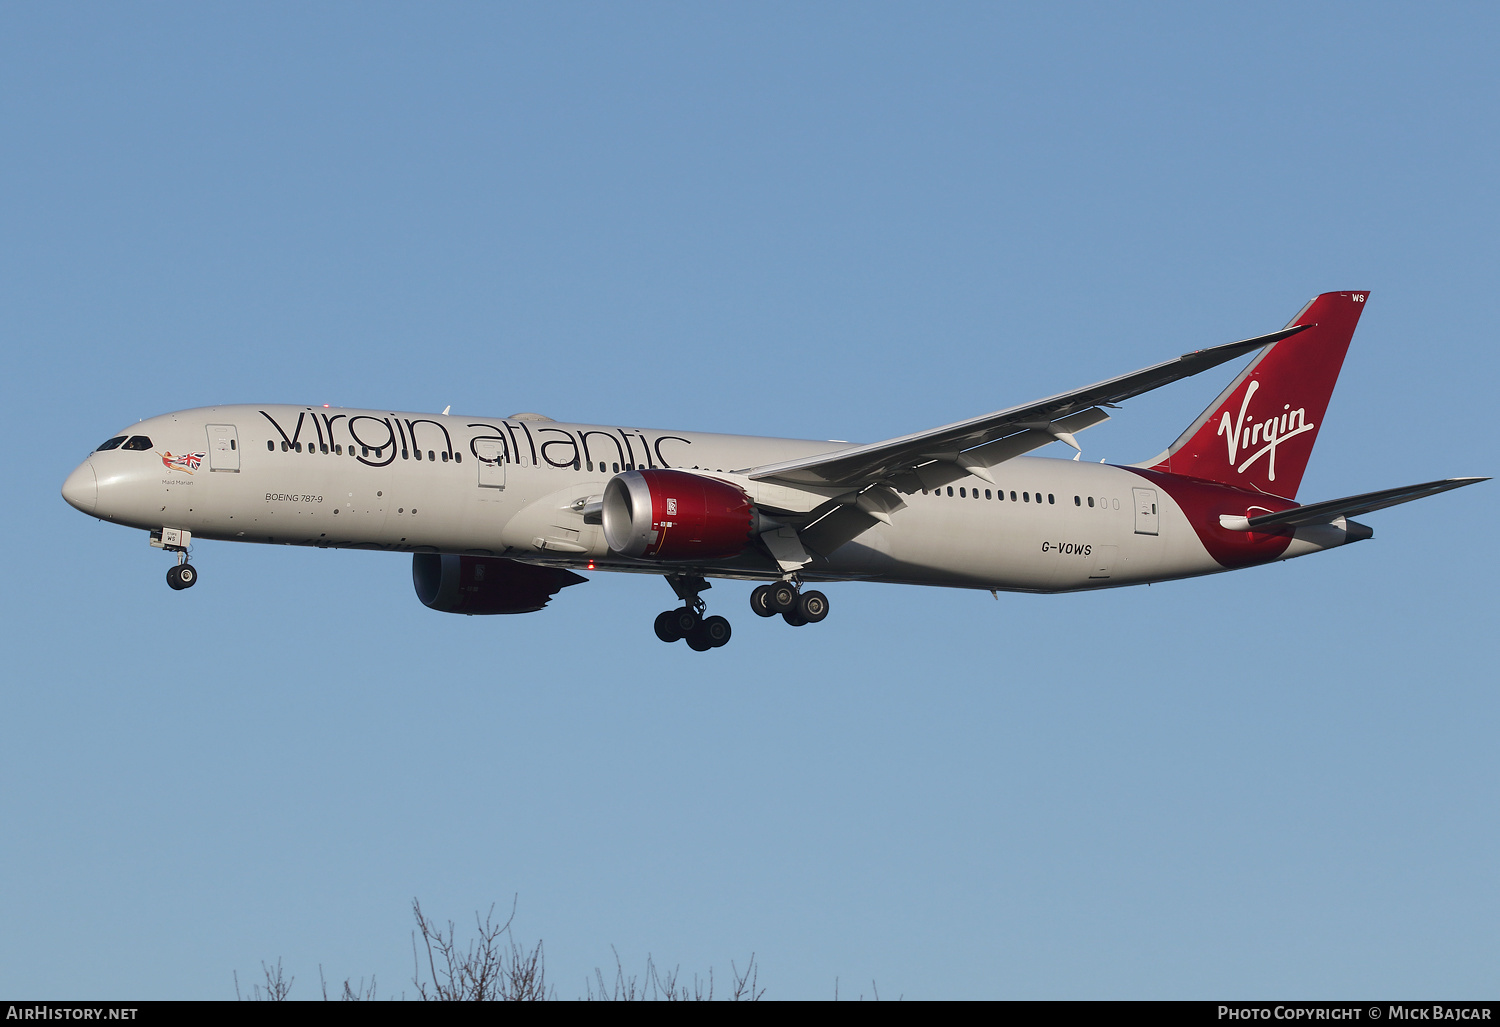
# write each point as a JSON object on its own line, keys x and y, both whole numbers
{"x": 81, "y": 490}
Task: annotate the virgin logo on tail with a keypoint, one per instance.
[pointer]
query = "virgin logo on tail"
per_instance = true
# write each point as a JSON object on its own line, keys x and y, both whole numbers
{"x": 1268, "y": 434}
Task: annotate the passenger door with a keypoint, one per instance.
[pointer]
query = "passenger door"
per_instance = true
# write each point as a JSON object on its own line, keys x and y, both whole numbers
{"x": 223, "y": 448}
{"x": 491, "y": 453}
{"x": 1146, "y": 518}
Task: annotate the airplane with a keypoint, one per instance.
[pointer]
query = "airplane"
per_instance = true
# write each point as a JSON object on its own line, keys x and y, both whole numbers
{"x": 500, "y": 513}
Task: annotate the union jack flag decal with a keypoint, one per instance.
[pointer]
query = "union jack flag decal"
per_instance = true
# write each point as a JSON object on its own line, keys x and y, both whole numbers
{"x": 188, "y": 462}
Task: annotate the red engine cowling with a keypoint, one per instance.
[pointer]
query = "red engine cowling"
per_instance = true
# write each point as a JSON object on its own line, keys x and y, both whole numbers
{"x": 660, "y": 514}
{"x": 485, "y": 584}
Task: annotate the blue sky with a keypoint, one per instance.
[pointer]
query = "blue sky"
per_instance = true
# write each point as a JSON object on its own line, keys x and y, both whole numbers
{"x": 830, "y": 221}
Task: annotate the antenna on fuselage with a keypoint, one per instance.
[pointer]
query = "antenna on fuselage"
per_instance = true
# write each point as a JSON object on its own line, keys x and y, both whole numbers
{"x": 446, "y": 409}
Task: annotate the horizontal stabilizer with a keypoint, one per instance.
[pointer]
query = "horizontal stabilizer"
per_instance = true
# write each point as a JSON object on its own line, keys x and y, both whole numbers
{"x": 1352, "y": 506}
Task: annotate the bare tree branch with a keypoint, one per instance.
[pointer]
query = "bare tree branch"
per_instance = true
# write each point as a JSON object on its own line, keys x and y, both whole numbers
{"x": 351, "y": 993}
{"x": 493, "y": 967}
{"x": 276, "y": 987}
{"x": 746, "y": 985}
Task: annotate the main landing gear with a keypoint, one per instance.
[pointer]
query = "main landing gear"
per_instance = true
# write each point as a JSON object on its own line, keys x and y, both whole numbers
{"x": 687, "y": 621}
{"x": 787, "y": 598}
{"x": 174, "y": 540}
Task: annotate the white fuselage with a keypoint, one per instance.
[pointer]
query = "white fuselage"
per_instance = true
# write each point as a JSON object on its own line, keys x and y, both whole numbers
{"x": 517, "y": 487}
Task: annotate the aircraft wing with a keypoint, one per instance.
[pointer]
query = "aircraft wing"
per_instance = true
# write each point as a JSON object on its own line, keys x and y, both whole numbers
{"x": 1352, "y": 506}
{"x": 931, "y": 458}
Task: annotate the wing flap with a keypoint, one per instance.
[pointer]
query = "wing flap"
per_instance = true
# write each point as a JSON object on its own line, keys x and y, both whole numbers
{"x": 944, "y": 468}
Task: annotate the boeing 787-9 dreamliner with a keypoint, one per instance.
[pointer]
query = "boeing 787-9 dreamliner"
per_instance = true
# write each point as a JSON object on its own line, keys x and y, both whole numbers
{"x": 499, "y": 513}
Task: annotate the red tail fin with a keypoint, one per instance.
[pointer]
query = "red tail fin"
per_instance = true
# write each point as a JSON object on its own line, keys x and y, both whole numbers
{"x": 1260, "y": 432}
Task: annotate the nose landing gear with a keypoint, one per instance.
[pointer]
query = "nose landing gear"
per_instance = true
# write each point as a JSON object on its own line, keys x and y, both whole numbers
{"x": 786, "y": 598}
{"x": 183, "y": 575}
{"x": 687, "y": 621}
{"x": 175, "y": 540}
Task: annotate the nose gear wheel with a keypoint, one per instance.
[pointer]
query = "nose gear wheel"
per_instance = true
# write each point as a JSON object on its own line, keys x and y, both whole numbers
{"x": 181, "y": 576}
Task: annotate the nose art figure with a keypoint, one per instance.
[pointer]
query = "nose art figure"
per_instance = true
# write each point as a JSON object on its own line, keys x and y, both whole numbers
{"x": 81, "y": 490}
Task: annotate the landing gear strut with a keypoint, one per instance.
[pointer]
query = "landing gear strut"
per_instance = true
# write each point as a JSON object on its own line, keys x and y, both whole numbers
{"x": 787, "y": 598}
{"x": 687, "y": 621}
{"x": 175, "y": 540}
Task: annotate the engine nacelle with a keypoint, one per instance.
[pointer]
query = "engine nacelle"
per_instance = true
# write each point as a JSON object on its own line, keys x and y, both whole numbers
{"x": 660, "y": 514}
{"x": 485, "y": 584}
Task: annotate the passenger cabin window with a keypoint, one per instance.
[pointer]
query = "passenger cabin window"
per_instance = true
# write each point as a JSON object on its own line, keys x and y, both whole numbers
{"x": 137, "y": 443}
{"x": 113, "y": 443}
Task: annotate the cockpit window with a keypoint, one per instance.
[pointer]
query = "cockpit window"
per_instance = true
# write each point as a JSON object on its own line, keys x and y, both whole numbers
{"x": 137, "y": 443}
{"x": 113, "y": 443}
